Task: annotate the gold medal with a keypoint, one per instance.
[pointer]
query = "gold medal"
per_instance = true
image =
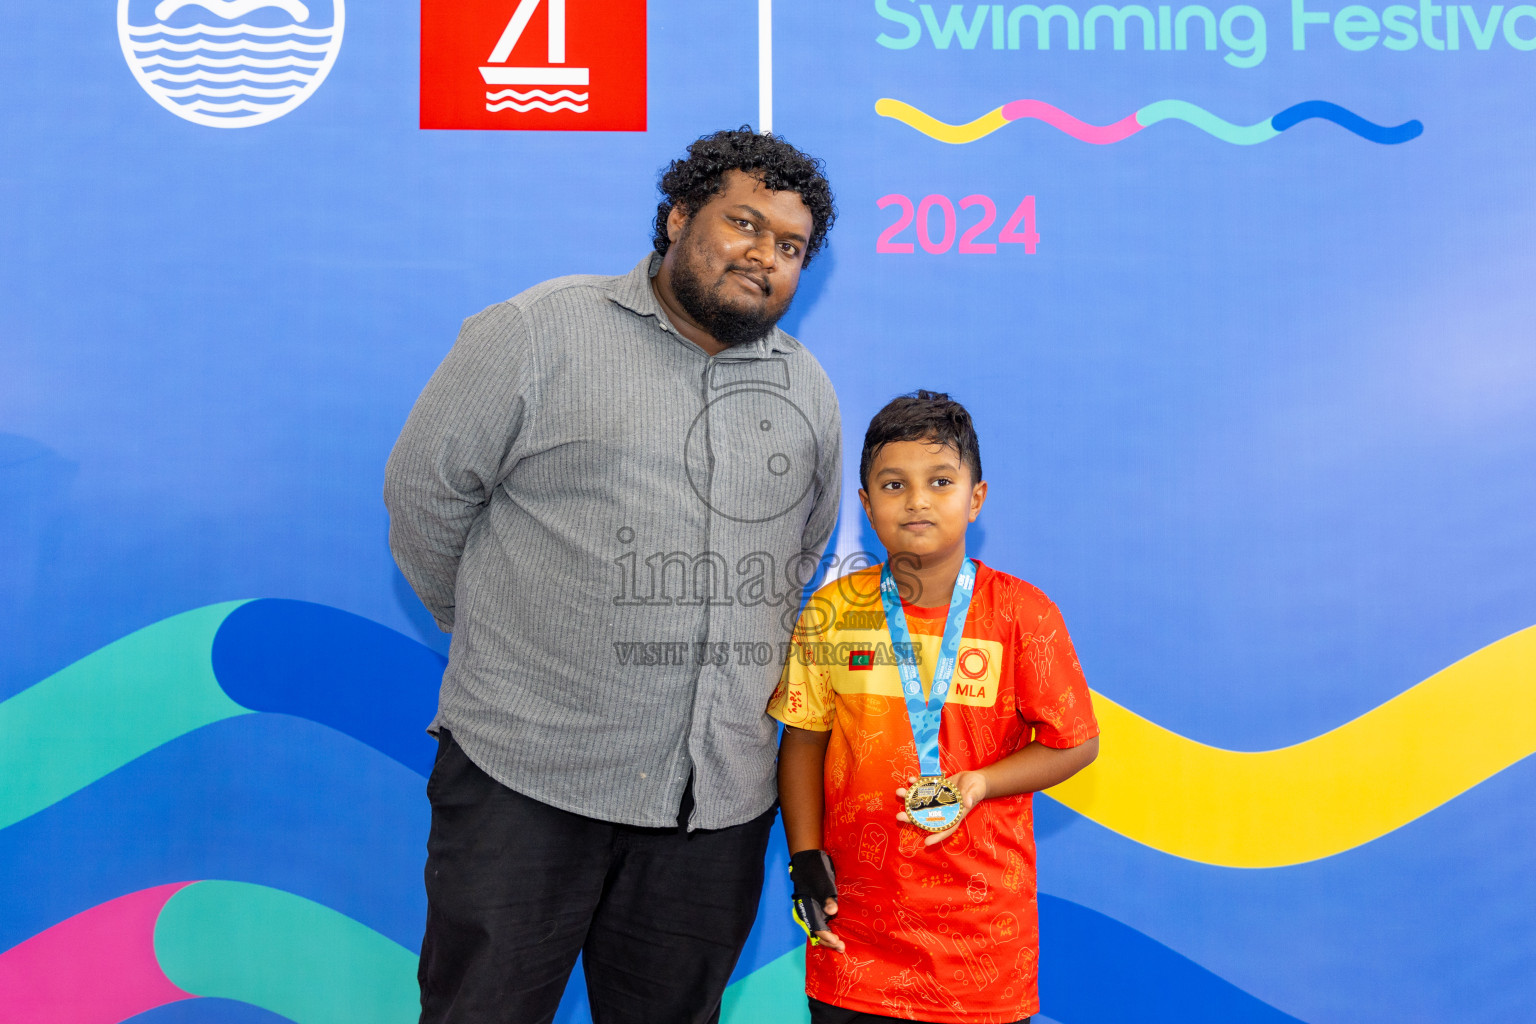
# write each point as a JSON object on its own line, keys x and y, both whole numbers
{"x": 933, "y": 803}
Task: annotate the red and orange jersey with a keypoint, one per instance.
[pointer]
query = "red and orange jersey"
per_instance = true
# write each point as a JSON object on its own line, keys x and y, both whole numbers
{"x": 947, "y": 932}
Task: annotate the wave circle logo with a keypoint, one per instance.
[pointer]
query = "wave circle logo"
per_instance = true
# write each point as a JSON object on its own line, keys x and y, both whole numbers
{"x": 230, "y": 63}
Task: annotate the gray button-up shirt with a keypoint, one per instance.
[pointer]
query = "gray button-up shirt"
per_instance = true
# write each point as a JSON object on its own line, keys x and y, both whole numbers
{"x": 616, "y": 528}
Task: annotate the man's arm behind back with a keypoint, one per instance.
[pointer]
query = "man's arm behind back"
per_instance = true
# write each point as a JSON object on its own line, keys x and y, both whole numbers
{"x": 458, "y": 444}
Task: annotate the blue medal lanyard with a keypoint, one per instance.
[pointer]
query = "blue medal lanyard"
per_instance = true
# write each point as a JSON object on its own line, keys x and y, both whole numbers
{"x": 925, "y": 717}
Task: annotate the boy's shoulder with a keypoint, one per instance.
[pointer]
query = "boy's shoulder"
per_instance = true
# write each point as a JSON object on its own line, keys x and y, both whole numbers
{"x": 1006, "y": 588}
{"x": 857, "y": 589}
{"x": 1003, "y": 598}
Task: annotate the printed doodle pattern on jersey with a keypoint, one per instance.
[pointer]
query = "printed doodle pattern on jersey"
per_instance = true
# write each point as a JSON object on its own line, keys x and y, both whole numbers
{"x": 946, "y": 933}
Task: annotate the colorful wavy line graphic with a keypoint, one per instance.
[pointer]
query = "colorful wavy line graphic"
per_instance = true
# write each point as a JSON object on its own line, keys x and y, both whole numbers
{"x": 324, "y": 817}
{"x": 1162, "y": 110}
{"x": 337, "y": 826}
{"x": 1098, "y": 970}
{"x": 271, "y": 828}
{"x": 98, "y": 967}
{"x": 214, "y": 939}
{"x": 271, "y": 949}
{"x": 1314, "y": 799}
{"x": 1231, "y": 808}
{"x": 207, "y": 665}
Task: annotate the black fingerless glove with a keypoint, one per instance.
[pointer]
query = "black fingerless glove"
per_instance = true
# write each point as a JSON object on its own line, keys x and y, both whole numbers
{"x": 814, "y": 882}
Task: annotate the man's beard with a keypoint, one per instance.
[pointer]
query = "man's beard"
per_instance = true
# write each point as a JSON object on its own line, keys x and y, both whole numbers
{"x": 729, "y": 325}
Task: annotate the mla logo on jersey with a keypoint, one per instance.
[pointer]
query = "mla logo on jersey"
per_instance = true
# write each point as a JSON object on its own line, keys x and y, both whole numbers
{"x": 230, "y": 63}
{"x": 552, "y": 65}
{"x": 974, "y": 663}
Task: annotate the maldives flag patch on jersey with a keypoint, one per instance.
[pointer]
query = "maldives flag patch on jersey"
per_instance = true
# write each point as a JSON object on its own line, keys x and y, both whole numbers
{"x": 861, "y": 661}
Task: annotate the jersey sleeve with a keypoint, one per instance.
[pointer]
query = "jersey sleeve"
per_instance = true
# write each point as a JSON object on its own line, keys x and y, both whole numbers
{"x": 804, "y": 697}
{"x": 1050, "y": 692}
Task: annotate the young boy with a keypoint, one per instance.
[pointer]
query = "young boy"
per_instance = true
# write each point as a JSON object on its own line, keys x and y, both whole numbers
{"x": 924, "y": 701}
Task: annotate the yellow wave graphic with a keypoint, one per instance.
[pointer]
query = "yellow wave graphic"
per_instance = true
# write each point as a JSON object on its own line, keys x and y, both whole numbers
{"x": 932, "y": 127}
{"x": 1324, "y": 796}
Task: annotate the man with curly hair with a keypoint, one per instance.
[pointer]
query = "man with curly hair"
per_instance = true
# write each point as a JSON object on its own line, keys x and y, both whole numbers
{"x": 611, "y": 493}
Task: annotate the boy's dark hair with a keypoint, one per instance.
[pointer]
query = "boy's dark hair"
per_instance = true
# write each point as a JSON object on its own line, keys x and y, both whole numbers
{"x": 690, "y": 183}
{"x": 922, "y": 416}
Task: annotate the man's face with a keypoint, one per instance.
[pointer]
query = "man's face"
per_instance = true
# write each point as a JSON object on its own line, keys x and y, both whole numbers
{"x": 735, "y": 262}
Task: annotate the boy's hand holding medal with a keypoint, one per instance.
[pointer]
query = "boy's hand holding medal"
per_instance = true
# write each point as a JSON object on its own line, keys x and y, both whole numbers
{"x": 938, "y": 806}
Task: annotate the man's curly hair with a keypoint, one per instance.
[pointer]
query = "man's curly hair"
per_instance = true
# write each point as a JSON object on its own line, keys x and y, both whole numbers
{"x": 691, "y": 183}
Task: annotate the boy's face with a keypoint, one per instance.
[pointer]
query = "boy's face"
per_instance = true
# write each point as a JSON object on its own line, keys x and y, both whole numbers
{"x": 921, "y": 499}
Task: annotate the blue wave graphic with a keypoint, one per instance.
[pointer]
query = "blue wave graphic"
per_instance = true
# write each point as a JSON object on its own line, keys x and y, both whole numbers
{"x": 208, "y": 1011}
{"x": 1386, "y": 135}
{"x": 332, "y": 667}
{"x": 1096, "y": 970}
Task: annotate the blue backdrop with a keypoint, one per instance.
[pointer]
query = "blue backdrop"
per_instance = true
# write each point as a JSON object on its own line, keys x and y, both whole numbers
{"x": 1257, "y": 405}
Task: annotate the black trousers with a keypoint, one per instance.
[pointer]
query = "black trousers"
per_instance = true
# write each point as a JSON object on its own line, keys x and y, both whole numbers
{"x": 516, "y": 889}
{"x": 826, "y": 1013}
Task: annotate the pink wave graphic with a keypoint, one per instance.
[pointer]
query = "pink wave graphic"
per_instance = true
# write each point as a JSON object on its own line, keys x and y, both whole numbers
{"x": 1099, "y": 135}
{"x": 98, "y": 967}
